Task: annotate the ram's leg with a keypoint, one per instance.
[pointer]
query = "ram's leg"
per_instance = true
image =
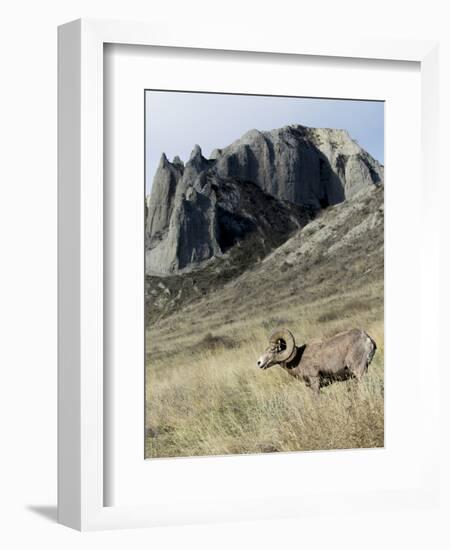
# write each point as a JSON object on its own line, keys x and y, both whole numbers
{"x": 356, "y": 365}
{"x": 360, "y": 357}
{"x": 359, "y": 369}
{"x": 313, "y": 382}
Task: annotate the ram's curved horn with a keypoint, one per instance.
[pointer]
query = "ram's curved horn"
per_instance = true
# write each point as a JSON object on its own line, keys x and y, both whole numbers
{"x": 285, "y": 341}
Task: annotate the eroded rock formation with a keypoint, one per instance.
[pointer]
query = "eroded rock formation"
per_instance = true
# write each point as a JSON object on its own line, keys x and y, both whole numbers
{"x": 263, "y": 186}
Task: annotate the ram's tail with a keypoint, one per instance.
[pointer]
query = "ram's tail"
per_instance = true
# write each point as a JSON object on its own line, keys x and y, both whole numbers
{"x": 372, "y": 350}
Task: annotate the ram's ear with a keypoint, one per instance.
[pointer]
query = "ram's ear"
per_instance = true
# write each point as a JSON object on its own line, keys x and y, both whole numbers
{"x": 284, "y": 342}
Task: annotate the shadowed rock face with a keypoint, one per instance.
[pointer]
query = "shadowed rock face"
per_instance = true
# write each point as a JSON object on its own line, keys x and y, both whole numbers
{"x": 200, "y": 211}
{"x": 216, "y": 214}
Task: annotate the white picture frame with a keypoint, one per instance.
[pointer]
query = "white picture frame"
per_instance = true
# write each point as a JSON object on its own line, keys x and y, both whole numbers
{"x": 82, "y": 484}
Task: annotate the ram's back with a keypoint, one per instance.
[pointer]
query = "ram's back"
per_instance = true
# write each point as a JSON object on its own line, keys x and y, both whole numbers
{"x": 332, "y": 356}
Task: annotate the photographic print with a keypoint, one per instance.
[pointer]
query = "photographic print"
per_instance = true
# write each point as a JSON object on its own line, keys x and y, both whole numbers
{"x": 264, "y": 274}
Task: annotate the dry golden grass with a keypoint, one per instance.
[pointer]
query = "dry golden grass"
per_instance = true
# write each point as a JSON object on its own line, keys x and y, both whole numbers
{"x": 205, "y": 395}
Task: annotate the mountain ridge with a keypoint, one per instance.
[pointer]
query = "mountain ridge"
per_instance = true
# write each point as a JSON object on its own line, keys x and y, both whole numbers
{"x": 188, "y": 212}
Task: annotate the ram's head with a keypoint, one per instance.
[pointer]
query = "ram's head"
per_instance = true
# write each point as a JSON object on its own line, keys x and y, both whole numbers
{"x": 280, "y": 350}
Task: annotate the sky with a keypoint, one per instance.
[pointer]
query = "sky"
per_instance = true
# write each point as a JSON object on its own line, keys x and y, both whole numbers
{"x": 176, "y": 121}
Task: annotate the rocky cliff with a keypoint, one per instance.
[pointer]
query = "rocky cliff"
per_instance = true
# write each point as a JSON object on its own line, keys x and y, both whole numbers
{"x": 261, "y": 187}
{"x": 309, "y": 166}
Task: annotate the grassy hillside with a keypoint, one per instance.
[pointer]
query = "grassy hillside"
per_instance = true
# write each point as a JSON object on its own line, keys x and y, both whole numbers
{"x": 204, "y": 393}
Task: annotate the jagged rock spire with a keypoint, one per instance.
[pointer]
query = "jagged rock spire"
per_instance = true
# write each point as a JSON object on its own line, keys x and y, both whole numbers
{"x": 160, "y": 205}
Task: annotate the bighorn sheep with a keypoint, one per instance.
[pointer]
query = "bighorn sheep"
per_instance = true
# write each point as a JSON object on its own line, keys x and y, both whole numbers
{"x": 341, "y": 357}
